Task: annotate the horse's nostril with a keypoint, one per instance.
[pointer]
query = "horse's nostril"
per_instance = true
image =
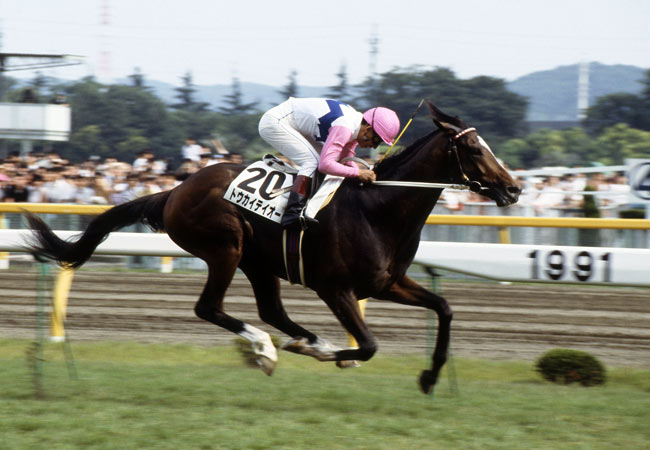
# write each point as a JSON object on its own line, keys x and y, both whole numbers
{"x": 513, "y": 190}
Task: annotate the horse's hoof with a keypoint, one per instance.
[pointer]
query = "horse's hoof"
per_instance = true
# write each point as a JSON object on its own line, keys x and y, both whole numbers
{"x": 347, "y": 364}
{"x": 427, "y": 381}
{"x": 266, "y": 364}
{"x": 296, "y": 346}
{"x": 320, "y": 349}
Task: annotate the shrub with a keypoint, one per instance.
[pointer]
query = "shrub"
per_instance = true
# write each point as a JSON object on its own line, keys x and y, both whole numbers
{"x": 636, "y": 213}
{"x": 565, "y": 366}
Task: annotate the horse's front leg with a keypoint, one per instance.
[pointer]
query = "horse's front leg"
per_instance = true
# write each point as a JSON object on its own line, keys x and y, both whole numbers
{"x": 408, "y": 292}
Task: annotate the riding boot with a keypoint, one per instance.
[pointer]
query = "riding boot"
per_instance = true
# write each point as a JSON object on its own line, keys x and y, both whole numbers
{"x": 294, "y": 214}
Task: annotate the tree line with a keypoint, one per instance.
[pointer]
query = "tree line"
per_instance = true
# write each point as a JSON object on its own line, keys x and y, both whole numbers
{"x": 120, "y": 120}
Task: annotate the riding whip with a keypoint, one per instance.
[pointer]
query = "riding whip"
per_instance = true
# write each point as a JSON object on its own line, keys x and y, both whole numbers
{"x": 403, "y": 129}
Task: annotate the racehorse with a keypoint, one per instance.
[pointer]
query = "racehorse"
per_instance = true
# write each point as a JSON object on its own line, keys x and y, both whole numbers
{"x": 367, "y": 238}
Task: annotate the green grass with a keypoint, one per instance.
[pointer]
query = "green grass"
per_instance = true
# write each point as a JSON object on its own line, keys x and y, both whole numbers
{"x": 136, "y": 396}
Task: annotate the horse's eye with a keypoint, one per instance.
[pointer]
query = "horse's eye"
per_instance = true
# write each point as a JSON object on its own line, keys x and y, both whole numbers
{"x": 476, "y": 151}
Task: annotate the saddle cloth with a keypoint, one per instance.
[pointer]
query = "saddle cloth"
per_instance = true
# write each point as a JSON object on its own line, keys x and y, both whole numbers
{"x": 263, "y": 189}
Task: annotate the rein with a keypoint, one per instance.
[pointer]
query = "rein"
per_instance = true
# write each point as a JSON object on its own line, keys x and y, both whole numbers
{"x": 418, "y": 184}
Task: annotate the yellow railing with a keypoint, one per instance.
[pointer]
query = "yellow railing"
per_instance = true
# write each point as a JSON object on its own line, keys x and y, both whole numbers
{"x": 540, "y": 222}
{"x": 435, "y": 219}
{"x": 53, "y": 208}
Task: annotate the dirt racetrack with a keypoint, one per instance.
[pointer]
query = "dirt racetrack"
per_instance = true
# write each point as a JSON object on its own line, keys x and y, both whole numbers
{"x": 491, "y": 320}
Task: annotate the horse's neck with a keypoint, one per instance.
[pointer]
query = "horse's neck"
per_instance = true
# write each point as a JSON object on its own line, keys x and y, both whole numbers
{"x": 429, "y": 164}
{"x": 404, "y": 210}
{"x": 412, "y": 204}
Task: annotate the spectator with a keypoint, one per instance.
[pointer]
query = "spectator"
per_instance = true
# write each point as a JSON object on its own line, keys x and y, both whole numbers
{"x": 103, "y": 190}
{"x": 144, "y": 161}
{"x": 191, "y": 150}
{"x": 3, "y": 174}
{"x": 149, "y": 184}
{"x": 85, "y": 192}
{"x": 37, "y": 190}
{"x": 187, "y": 168}
{"x": 125, "y": 190}
{"x": 550, "y": 196}
{"x": 454, "y": 200}
{"x": 62, "y": 189}
{"x": 160, "y": 166}
{"x": 620, "y": 190}
{"x": 167, "y": 181}
{"x": 16, "y": 189}
{"x": 205, "y": 160}
{"x": 574, "y": 183}
{"x": 236, "y": 158}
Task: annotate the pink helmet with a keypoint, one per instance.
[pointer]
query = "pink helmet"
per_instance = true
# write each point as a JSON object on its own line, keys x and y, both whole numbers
{"x": 384, "y": 121}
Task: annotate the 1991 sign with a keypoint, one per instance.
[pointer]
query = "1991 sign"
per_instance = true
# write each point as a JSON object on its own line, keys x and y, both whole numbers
{"x": 555, "y": 265}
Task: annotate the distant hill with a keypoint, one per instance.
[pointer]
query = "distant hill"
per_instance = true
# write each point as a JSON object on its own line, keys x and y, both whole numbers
{"x": 553, "y": 94}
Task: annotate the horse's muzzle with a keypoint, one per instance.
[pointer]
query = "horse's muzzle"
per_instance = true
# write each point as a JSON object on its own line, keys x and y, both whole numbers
{"x": 512, "y": 195}
{"x": 503, "y": 197}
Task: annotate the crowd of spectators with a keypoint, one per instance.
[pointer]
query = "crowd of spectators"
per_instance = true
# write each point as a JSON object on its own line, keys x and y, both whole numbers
{"x": 48, "y": 178}
{"x": 550, "y": 195}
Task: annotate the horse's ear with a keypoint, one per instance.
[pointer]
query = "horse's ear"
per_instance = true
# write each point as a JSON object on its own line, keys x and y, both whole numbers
{"x": 442, "y": 120}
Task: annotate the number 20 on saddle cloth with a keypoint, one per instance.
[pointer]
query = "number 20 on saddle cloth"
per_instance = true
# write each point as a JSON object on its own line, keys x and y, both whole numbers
{"x": 263, "y": 189}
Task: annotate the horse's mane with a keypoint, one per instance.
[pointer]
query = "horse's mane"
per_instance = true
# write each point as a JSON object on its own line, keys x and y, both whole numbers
{"x": 391, "y": 163}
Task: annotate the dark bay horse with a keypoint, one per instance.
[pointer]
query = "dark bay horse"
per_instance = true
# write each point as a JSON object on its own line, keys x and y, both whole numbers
{"x": 367, "y": 238}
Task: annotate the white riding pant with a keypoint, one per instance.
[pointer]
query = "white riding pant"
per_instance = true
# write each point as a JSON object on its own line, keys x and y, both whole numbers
{"x": 278, "y": 128}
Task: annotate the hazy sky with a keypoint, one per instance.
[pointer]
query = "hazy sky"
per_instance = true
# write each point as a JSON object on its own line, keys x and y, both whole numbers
{"x": 263, "y": 41}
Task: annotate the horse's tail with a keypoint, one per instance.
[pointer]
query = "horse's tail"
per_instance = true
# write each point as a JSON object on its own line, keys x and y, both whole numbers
{"x": 47, "y": 245}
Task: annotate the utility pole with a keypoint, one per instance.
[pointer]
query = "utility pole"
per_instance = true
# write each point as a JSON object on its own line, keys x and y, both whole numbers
{"x": 2, "y": 69}
{"x": 374, "y": 51}
{"x": 104, "y": 66}
{"x": 3, "y": 142}
{"x": 583, "y": 89}
{"x": 372, "y": 66}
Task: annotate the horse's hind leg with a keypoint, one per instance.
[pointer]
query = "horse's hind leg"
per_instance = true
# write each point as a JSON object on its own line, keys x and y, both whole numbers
{"x": 210, "y": 308}
{"x": 266, "y": 287}
{"x": 408, "y": 292}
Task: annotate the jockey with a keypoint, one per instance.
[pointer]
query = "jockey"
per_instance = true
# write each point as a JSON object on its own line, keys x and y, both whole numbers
{"x": 301, "y": 128}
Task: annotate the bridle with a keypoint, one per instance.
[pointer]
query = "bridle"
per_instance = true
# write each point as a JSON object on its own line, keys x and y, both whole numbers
{"x": 473, "y": 186}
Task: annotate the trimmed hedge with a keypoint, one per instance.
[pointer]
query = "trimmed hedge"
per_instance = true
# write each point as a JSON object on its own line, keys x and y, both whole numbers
{"x": 636, "y": 213}
{"x": 564, "y": 366}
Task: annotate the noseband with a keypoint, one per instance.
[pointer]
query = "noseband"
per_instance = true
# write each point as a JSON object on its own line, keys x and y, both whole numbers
{"x": 473, "y": 186}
